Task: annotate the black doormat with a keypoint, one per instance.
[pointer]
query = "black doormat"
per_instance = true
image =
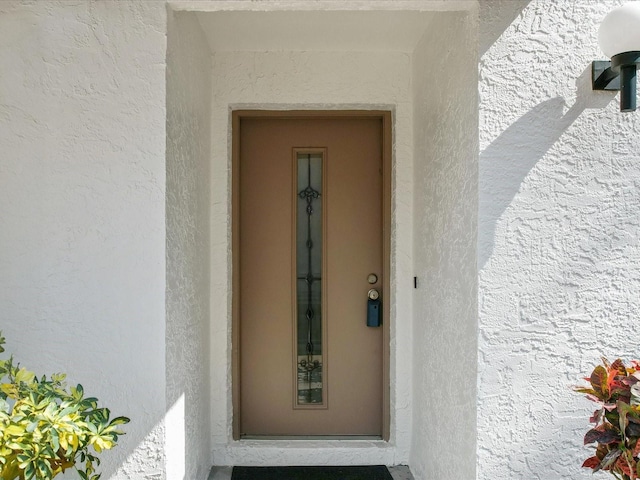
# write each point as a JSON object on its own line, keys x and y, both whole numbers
{"x": 370, "y": 472}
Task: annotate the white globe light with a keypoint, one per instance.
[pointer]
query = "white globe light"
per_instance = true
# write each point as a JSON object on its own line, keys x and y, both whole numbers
{"x": 620, "y": 30}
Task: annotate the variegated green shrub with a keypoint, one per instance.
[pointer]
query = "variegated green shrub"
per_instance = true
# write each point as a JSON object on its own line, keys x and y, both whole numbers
{"x": 616, "y": 389}
{"x": 47, "y": 428}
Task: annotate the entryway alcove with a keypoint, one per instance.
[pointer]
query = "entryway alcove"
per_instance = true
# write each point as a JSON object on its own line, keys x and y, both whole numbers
{"x": 417, "y": 60}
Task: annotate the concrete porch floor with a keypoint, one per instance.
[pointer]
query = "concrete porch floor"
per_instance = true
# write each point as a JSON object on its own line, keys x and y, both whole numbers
{"x": 400, "y": 472}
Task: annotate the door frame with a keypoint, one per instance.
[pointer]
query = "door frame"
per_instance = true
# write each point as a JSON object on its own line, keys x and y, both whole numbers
{"x": 387, "y": 150}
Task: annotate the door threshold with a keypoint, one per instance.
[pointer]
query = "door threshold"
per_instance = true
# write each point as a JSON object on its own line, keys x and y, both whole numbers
{"x": 311, "y": 437}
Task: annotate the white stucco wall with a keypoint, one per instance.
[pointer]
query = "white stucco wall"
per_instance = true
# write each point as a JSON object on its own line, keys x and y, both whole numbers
{"x": 445, "y": 217}
{"x": 83, "y": 233}
{"x": 188, "y": 246}
{"x": 559, "y": 225}
{"x": 312, "y": 80}
{"x": 82, "y": 218}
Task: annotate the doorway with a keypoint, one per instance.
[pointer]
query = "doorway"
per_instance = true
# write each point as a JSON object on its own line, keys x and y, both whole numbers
{"x": 311, "y": 203}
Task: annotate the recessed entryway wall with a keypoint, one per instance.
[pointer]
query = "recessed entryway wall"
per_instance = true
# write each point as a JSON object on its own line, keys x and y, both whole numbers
{"x": 306, "y": 80}
{"x": 361, "y": 56}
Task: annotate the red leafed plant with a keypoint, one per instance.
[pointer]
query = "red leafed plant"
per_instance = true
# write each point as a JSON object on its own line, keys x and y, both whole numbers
{"x": 616, "y": 390}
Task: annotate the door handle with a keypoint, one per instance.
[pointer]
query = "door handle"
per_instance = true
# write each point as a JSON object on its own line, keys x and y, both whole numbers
{"x": 374, "y": 310}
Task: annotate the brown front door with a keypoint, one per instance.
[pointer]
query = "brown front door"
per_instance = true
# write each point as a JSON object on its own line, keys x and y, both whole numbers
{"x": 310, "y": 241}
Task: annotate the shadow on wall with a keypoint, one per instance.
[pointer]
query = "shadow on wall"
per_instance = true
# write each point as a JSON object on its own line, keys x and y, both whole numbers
{"x": 517, "y": 150}
{"x": 495, "y": 18}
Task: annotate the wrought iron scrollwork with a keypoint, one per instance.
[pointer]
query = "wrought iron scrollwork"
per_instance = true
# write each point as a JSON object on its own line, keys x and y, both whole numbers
{"x": 308, "y": 365}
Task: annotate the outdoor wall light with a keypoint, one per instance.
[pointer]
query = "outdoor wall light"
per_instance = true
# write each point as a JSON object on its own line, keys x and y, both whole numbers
{"x": 619, "y": 39}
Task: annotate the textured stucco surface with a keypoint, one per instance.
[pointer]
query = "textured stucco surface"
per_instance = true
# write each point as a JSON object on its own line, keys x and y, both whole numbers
{"x": 558, "y": 235}
{"x": 311, "y": 80}
{"x": 83, "y": 234}
{"x": 82, "y": 218}
{"x": 445, "y": 238}
{"x": 188, "y": 245}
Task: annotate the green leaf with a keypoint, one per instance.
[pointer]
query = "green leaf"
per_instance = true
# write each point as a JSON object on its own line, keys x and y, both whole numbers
{"x": 24, "y": 376}
{"x": 55, "y": 440}
{"x": 120, "y": 421}
{"x": 623, "y": 410}
{"x": 78, "y": 392}
{"x": 29, "y": 471}
{"x": 598, "y": 381}
{"x": 44, "y": 469}
{"x": 67, "y": 411}
{"x": 32, "y": 426}
{"x": 92, "y": 428}
{"x": 47, "y": 451}
{"x": 588, "y": 391}
{"x": 18, "y": 446}
{"x": 608, "y": 460}
{"x": 14, "y": 430}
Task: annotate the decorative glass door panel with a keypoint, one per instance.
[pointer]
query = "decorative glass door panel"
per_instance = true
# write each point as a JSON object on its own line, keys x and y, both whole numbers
{"x": 309, "y": 356}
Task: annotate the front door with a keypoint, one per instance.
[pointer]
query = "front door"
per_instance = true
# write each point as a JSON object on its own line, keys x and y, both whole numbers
{"x": 311, "y": 268}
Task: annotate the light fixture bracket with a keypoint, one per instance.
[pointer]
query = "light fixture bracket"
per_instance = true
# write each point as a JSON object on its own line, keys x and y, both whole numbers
{"x": 618, "y": 74}
{"x": 603, "y": 77}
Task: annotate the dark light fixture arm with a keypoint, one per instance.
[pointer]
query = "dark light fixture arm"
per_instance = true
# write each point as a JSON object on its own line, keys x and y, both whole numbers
{"x": 618, "y": 74}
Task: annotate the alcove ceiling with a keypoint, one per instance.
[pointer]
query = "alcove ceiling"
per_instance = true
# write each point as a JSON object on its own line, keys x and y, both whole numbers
{"x": 381, "y": 31}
